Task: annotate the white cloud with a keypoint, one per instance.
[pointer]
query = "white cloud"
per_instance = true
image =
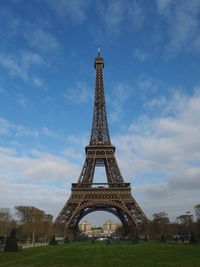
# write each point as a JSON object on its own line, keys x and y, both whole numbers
{"x": 79, "y": 93}
{"x": 120, "y": 94}
{"x": 154, "y": 198}
{"x": 48, "y": 169}
{"x": 38, "y": 82}
{"x": 42, "y": 40}
{"x": 7, "y": 151}
{"x": 190, "y": 179}
{"x": 16, "y": 130}
{"x": 75, "y": 11}
{"x": 46, "y": 131}
{"x": 168, "y": 141}
{"x": 13, "y": 23}
{"x": 136, "y": 14}
{"x": 42, "y": 168}
{"x": 147, "y": 83}
{"x": 2, "y": 90}
{"x": 38, "y": 38}
{"x": 80, "y": 140}
{"x": 116, "y": 14}
{"x": 14, "y": 68}
{"x": 23, "y": 101}
{"x": 163, "y": 155}
{"x": 196, "y": 43}
{"x": 112, "y": 14}
{"x": 22, "y": 65}
{"x": 35, "y": 179}
{"x": 4, "y": 126}
{"x": 48, "y": 198}
{"x": 72, "y": 153}
{"x": 163, "y": 5}
{"x": 182, "y": 22}
{"x": 139, "y": 55}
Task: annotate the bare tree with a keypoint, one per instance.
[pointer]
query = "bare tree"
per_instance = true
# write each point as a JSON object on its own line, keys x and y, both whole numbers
{"x": 48, "y": 226}
{"x": 197, "y": 212}
{"x": 6, "y": 221}
{"x": 120, "y": 232}
{"x": 197, "y": 223}
{"x": 185, "y": 223}
{"x": 160, "y": 224}
{"x": 185, "y": 219}
{"x": 34, "y": 222}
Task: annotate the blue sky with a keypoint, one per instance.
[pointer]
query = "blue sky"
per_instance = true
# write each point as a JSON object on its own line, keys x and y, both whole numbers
{"x": 151, "y": 51}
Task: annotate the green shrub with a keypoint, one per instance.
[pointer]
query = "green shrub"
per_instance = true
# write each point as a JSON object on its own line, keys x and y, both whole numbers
{"x": 193, "y": 238}
{"x": 53, "y": 241}
{"x": 11, "y": 242}
{"x": 66, "y": 240}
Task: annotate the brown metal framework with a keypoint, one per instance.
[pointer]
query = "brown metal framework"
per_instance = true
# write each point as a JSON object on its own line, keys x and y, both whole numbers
{"x": 113, "y": 196}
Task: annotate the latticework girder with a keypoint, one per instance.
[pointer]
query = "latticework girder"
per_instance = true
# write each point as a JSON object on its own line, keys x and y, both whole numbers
{"x": 113, "y": 196}
{"x": 100, "y": 132}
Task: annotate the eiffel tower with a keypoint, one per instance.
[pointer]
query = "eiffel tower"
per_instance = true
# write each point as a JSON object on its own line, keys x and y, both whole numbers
{"x": 115, "y": 195}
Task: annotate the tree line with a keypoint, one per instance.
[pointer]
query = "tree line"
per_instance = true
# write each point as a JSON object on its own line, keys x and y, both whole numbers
{"x": 34, "y": 225}
{"x": 186, "y": 227}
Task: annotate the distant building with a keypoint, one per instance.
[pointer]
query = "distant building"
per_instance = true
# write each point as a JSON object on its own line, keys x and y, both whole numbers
{"x": 89, "y": 230}
{"x": 85, "y": 226}
{"x": 110, "y": 227}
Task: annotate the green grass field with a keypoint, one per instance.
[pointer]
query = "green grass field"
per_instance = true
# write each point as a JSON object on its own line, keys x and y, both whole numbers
{"x": 101, "y": 254}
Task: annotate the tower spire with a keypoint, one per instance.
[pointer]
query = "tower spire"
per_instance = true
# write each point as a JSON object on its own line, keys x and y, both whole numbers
{"x": 100, "y": 132}
{"x": 99, "y": 51}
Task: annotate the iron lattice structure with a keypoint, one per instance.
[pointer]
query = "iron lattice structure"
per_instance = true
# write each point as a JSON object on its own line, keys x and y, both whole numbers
{"x": 113, "y": 196}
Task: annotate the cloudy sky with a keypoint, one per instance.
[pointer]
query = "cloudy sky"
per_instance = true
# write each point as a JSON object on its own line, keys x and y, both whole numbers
{"x": 152, "y": 82}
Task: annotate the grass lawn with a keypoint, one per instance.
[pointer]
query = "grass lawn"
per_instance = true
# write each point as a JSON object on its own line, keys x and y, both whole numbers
{"x": 100, "y": 254}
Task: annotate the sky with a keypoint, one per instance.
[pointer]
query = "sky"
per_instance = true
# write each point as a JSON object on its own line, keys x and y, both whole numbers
{"x": 151, "y": 51}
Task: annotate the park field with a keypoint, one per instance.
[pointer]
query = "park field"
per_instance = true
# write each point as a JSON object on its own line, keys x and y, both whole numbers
{"x": 101, "y": 254}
